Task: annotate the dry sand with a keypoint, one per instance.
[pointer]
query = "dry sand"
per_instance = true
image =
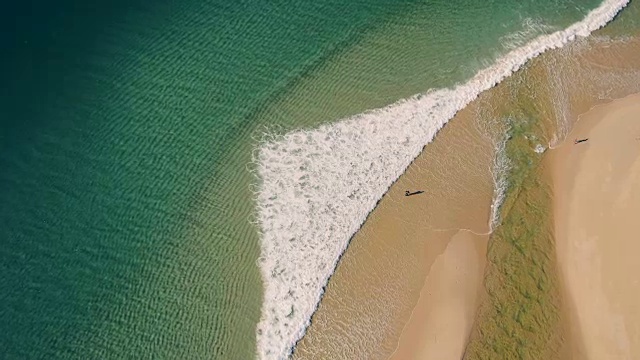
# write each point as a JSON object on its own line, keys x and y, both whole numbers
{"x": 597, "y": 209}
{"x": 443, "y": 318}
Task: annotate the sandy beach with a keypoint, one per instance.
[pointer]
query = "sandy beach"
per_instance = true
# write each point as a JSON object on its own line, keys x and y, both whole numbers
{"x": 597, "y": 202}
{"x": 443, "y": 317}
{"x": 410, "y": 283}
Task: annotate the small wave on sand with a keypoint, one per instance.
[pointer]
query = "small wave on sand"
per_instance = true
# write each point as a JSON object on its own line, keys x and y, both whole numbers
{"x": 317, "y": 187}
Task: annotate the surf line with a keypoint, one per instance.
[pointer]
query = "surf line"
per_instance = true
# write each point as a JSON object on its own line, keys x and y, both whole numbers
{"x": 316, "y": 187}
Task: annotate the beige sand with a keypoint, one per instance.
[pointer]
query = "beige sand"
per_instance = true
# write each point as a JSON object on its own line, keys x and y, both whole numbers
{"x": 442, "y": 320}
{"x": 411, "y": 245}
{"x": 403, "y": 285}
{"x": 597, "y": 204}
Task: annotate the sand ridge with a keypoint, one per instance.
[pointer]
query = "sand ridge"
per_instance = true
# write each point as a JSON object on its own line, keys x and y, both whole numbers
{"x": 443, "y": 317}
{"x": 597, "y": 202}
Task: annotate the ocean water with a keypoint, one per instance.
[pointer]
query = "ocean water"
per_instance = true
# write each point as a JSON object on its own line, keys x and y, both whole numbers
{"x": 126, "y": 135}
{"x": 126, "y": 130}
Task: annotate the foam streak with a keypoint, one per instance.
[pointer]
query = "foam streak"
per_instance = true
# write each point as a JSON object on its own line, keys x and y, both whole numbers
{"x": 318, "y": 186}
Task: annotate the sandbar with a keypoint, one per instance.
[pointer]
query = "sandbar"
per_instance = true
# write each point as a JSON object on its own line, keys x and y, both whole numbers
{"x": 596, "y": 210}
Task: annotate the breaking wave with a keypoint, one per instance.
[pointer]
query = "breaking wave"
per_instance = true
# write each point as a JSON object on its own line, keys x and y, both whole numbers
{"x": 318, "y": 186}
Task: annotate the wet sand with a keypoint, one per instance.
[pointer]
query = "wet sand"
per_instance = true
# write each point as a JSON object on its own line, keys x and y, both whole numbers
{"x": 597, "y": 202}
{"x": 442, "y": 320}
{"x": 413, "y": 245}
{"x": 410, "y": 283}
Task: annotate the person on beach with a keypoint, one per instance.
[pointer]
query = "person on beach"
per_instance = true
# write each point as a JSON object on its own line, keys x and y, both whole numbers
{"x": 576, "y": 141}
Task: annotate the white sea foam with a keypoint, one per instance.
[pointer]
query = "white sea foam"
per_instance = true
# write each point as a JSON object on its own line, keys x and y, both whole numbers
{"x": 318, "y": 186}
{"x": 531, "y": 28}
{"x": 501, "y": 166}
{"x": 539, "y": 149}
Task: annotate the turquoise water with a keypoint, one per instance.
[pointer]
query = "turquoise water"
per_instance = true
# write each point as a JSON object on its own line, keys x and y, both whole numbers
{"x": 125, "y": 133}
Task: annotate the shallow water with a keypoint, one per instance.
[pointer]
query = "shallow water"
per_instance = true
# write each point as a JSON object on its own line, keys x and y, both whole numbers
{"x": 126, "y": 129}
{"x": 125, "y": 205}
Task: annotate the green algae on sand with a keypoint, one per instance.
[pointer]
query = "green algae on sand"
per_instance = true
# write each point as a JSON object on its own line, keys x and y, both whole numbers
{"x": 520, "y": 317}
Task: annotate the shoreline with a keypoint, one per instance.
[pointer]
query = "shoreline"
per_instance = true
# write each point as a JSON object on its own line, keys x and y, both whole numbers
{"x": 293, "y": 286}
{"x": 595, "y": 196}
{"x": 555, "y": 323}
{"x": 378, "y": 283}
